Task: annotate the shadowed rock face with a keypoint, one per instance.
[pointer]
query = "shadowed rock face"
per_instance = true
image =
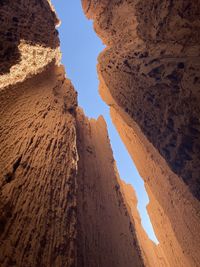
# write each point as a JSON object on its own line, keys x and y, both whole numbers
{"x": 149, "y": 75}
{"x": 60, "y": 198}
{"x": 32, "y": 21}
{"x": 38, "y": 168}
{"x": 161, "y": 94}
{"x": 62, "y": 202}
{"x": 106, "y": 233}
{"x": 152, "y": 69}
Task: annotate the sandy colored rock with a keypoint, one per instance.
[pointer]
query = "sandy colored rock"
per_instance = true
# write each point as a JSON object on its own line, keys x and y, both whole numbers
{"x": 156, "y": 74}
{"x": 38, "y": 152}
{"x": 28, "y": 39}
{"x": 62, "y": 202}
{"x": 173, "y": 211}
{"x": 106, "y": 234}
{"x": 60, "y": 199}
{"x": 38, "y": 168}
{"x": 153, "y": 255}
{"x": 149, "y": 75}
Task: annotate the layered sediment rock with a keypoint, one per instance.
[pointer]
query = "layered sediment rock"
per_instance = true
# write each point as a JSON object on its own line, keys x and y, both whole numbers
{"x": 149, "y": 75}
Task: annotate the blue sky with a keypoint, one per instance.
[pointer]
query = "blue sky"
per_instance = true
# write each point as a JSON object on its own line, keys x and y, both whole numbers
{"x": 80, "y": 48}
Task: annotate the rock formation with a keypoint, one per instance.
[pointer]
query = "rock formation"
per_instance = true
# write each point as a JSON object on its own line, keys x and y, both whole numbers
{"x": 38, "y": 185}
{"x": 62, "y": 202}
{"x": 106, "y": 234}
{"x": 149, "y": 75}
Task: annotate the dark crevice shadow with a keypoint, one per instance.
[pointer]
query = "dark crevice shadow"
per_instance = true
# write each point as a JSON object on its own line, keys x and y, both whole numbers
{"x": 31, "y": 21}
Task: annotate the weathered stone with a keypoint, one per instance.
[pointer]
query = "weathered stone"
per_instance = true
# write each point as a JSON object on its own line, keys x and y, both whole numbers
{"x": 149, "y": 75}
{"x": 62, "y": 202}
{"x": 60, "y": 198}
{"x": 106, "y": 233}
{"x": 38, "y": 168}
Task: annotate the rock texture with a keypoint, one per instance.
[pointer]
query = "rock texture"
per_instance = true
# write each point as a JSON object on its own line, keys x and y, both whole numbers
{"x": 153, "y": 255}
{"x": 38, "y": 172}
{"x": 28, "y": 39}
{"x": 173, "y": 214}
{"x": 149, "y": 75}
{"x": 38, "y": 152}
{"x": 61, "y": 203}
{"x": 106, "y": 233}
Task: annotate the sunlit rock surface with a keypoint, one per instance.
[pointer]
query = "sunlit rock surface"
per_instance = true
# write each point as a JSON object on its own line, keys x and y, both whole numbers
{"x": 106, "y": 234}
{"x": 150, "y": 76}
{"x": 38, "y": 163}
{"x": 61, "y": 201}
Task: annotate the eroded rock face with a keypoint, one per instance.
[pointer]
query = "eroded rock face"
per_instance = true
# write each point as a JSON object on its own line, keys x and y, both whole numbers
{"x": 153, "y": 74}
{"x": 106, "y": 233}
{"x": 170, "y": 203}
{"x": 28, "y": 39}
{"x": 153, "y": 255}
{"x": 149, "y": 74}
{"x": 60, "y": 198}
{"x": 38, "y": 168}
{"x": 37, "y": 127}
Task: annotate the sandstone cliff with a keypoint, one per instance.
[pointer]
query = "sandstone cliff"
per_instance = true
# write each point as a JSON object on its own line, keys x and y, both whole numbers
{"x": 61, "y": 202}
{"x": 149, "y": 75}
{"x": 106, "y": 234}
{"x": 38, "y": 168}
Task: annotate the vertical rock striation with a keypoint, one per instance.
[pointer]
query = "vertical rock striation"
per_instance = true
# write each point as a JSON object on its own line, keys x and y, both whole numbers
{"x": 61, "y": 202}
{"x": 149, "y": 75}
{"x": 106, "y": 234}
{"x": 38, "y": 152}
{"x": 37, "y": 169}
{"x": 153, "y": 255}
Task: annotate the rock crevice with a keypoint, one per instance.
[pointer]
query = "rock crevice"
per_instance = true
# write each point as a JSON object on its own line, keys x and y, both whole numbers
{"x": 62, "y": 202}
{"x": 149, "y": 77}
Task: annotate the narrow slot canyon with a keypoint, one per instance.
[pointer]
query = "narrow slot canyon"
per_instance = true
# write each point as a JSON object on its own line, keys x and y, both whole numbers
{"x": 82, "y": 72}
{"x": 62, "y": 199}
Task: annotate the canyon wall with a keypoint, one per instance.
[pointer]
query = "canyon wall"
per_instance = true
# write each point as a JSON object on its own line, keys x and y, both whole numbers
{"x": 38, "y": 185}
{"x": 150, "y": 77}
{"x": 106, "y": 234}
{"x": 61, "y": 198}
{"x": 62, "y": 202}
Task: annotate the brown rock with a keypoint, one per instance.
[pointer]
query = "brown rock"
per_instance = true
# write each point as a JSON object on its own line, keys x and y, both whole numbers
{"x": 28, "y": 39}
{"x": 172, "y": 210}
{"x": 38, "y": 185}
{"x": 60, "y": 198}
{"x": 62, "y": 202}
{"x": 149, "y": 75}
{"x": 153, "y": 254}
{"x": 106, "y": 234}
